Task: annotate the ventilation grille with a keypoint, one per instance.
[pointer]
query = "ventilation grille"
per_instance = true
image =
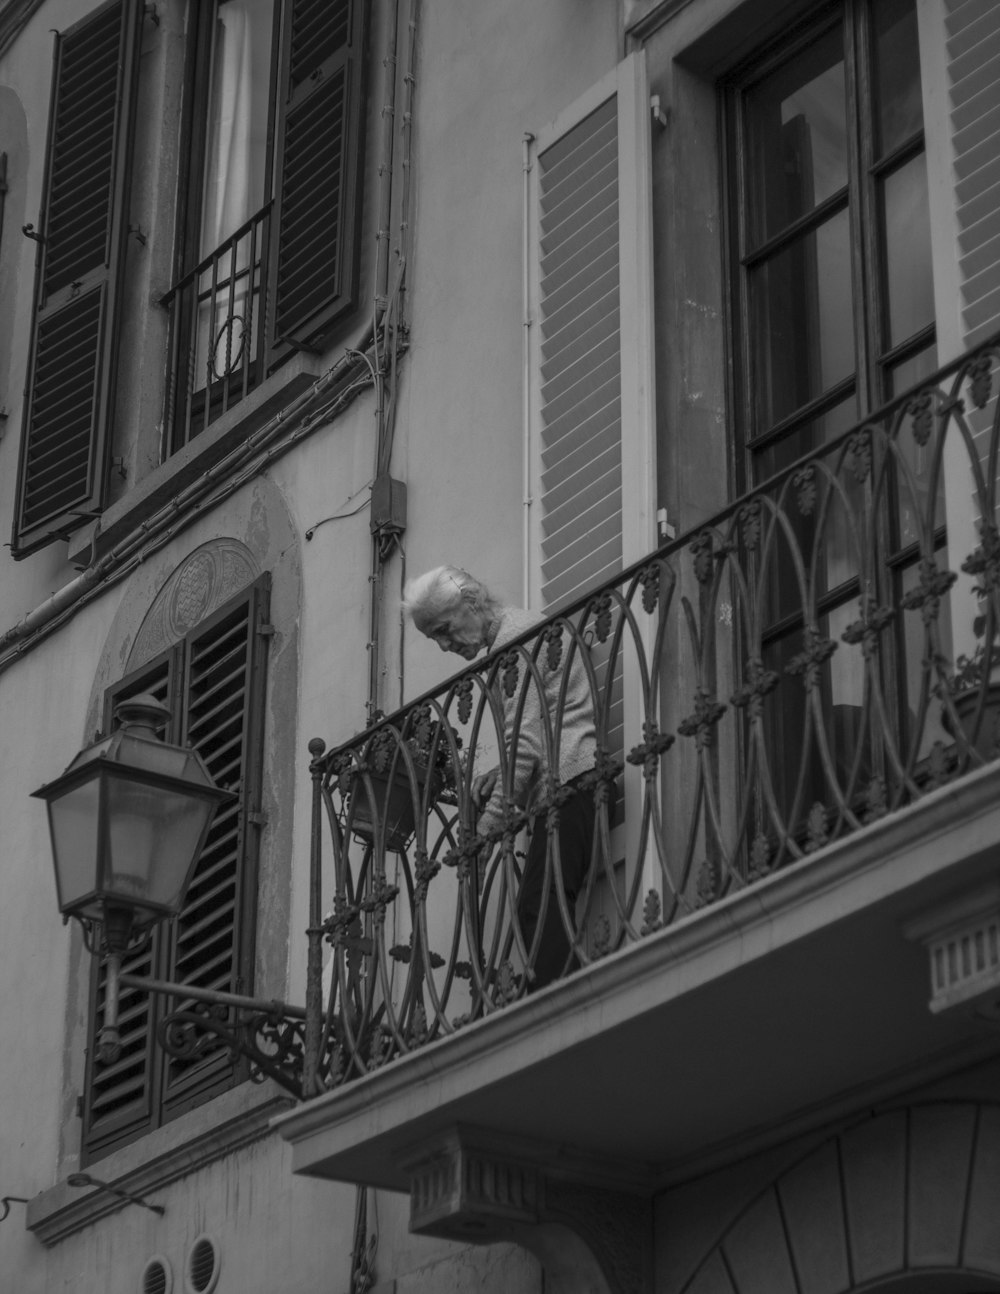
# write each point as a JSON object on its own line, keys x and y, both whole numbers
{"x": 83, "y": 153}
{"x": 59, "y": 459}
{"x": 202, "y": 1266}
{"x": 581, "y": 496}
{"x": 319, "y": 29}
{"x": 156, "y": 1277}
{"x": 966, "y": 963}
{"x": 311, "y": 205}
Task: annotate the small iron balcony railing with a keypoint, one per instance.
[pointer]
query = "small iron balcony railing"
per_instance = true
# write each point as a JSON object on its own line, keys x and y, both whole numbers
{"x": 217, "y": 327}
{"x": 760, "y": 687}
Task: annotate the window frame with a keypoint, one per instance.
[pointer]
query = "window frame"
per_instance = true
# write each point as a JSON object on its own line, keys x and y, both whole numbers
{"x": 187, "y": 419}
{"x": 873, "y": 355}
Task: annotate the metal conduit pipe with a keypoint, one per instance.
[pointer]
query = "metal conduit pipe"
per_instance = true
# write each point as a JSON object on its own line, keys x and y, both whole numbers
{"x": 386, "y": 416}
{"x": 527, "y": 156}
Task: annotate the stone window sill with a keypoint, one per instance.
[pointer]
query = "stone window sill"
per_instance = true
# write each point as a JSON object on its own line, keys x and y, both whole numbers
{"x": 217, "y": 1128}
{"x": 204, "y": 451}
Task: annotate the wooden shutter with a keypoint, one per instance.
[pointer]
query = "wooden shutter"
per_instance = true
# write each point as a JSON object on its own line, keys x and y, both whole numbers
{"x": 592, "y": 318}
{"x": 973, "y": 45}
{"x": 69, "y": 397}
{"x": 213, "y": 682}
{"x": 212, "y": 941}
{"x": 591, "y": 430}
{"x": 121, "y": 1098}
{"x": 320, "y": 150}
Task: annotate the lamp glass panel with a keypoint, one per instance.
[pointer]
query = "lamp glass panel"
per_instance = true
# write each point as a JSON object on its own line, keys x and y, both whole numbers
{"x": 73, "y": 822}
{"x": 153, "y": 834}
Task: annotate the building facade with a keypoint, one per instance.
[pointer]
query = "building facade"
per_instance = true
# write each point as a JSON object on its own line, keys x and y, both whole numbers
{"x": 672, "y": 321}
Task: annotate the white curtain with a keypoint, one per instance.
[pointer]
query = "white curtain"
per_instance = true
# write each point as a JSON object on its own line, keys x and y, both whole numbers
{"x": 228, "y": 198}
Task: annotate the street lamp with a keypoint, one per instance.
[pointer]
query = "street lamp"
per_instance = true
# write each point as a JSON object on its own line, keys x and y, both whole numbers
{"x": 128, "y": 820}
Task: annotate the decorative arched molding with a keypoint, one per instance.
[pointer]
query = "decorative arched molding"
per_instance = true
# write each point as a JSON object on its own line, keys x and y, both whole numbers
{"x": 906, "y": 1194}
{"x": 206, "y": 579}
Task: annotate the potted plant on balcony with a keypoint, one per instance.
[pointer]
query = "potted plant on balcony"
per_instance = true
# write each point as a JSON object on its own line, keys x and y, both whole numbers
{"x": 385, "y": 769}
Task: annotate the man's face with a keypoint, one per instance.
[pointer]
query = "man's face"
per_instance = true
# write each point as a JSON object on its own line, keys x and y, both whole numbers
{"x": 460, "y": 629}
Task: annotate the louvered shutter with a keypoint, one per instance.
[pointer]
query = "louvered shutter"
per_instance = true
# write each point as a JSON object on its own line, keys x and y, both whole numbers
{"x": 320, "y": 151}
{"x": 212, "y": 942}
{"x": 973, "y": 45}
{"x": 121, "y": 1098}
{"x": 213, "y": 682}
{"x": 69, "y": 396}
{"x": 592, "y": 430}
{"x": 592, "y": 319}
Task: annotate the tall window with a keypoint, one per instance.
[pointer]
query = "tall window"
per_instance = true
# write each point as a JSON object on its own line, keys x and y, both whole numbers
{"x": 270, "y": 198}
{"x": 832, "y": 232}
{"x": 833, "y": 310}
{"x": 212, "y": 681}
{"x": 266, "y": 235}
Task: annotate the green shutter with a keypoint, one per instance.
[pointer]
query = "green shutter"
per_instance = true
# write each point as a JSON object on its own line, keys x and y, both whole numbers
{"x": 320, "y": 146}
{"x": 84, "y": 219}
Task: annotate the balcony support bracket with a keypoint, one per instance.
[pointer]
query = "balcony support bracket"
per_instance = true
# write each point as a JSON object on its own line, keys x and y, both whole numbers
{"x": 590, "y": 1228}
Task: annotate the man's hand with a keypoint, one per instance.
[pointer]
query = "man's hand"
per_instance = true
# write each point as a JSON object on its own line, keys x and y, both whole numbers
{"x": 482, "y": 788}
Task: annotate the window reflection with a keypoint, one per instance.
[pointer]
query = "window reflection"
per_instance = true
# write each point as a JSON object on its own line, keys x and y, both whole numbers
{"x": 798, "y": 136}
{"x": 914, "y": 489}
{"x": 802, "y": 321}
{"x": 898, "y": 81}
{"x": 908, "y": 249}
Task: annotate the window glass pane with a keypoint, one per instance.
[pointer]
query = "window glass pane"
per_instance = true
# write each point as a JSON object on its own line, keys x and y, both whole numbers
{"x": 821, "y": 536}
{"x": 898, "y": 81}
{"x": 914, "y": 648}
{"x": 797, "y": 137}
{"x": 804, "y": 439}
{"x": 907, "y": 236}
{"x": 795, "y": 762}
{"x": 236, "y": 125}
{"x": 913, "y": 486}
{"x": 802, "y": 321}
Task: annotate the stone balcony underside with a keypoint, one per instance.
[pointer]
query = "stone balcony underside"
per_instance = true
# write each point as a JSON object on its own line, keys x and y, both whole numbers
{"x": 733, "y": 1028}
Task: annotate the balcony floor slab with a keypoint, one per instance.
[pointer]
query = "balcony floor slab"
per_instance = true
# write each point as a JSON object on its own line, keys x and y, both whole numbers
{"x": 777, "y": 1009}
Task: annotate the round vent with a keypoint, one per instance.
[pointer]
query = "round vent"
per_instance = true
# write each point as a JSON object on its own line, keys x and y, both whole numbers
{"x": 156, "y": 1277}
{"x": 202, "y": 1266}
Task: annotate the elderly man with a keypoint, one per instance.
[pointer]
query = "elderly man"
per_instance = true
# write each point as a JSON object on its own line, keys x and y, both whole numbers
{"x": 455, "y": 610}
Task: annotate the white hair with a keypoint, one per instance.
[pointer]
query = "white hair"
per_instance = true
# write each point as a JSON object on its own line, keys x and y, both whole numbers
{"x": 439, "y": 589}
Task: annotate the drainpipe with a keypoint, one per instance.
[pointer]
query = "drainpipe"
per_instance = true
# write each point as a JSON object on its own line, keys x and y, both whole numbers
{"x": 526, "y": 451}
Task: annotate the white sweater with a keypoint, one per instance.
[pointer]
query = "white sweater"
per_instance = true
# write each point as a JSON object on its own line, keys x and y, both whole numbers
{"x": 574, "y": 739}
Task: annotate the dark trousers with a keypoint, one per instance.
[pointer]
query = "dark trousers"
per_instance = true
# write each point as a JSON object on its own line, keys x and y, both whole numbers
{"x": 576, "y": 835}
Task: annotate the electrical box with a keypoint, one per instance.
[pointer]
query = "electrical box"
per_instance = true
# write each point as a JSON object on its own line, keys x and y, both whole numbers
{"x": 388, "y": 508}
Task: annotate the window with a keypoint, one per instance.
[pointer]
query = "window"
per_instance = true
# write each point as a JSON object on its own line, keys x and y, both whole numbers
{"x": 834, "y": 300}
{"x": 270, "y": 198}
{"x": 212, "y": 681}
{"x": 265, "y": 235}
{"x": 833, "y": 310}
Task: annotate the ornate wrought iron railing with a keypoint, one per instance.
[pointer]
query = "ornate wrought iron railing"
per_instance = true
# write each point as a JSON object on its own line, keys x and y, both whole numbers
{"x": 816, "y": 656}
{"x": 217, "y": 329}
{"x": 802, "y": 664}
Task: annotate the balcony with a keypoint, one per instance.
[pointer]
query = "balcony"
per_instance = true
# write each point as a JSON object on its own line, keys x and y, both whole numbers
{"x": 793, "y": 806}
